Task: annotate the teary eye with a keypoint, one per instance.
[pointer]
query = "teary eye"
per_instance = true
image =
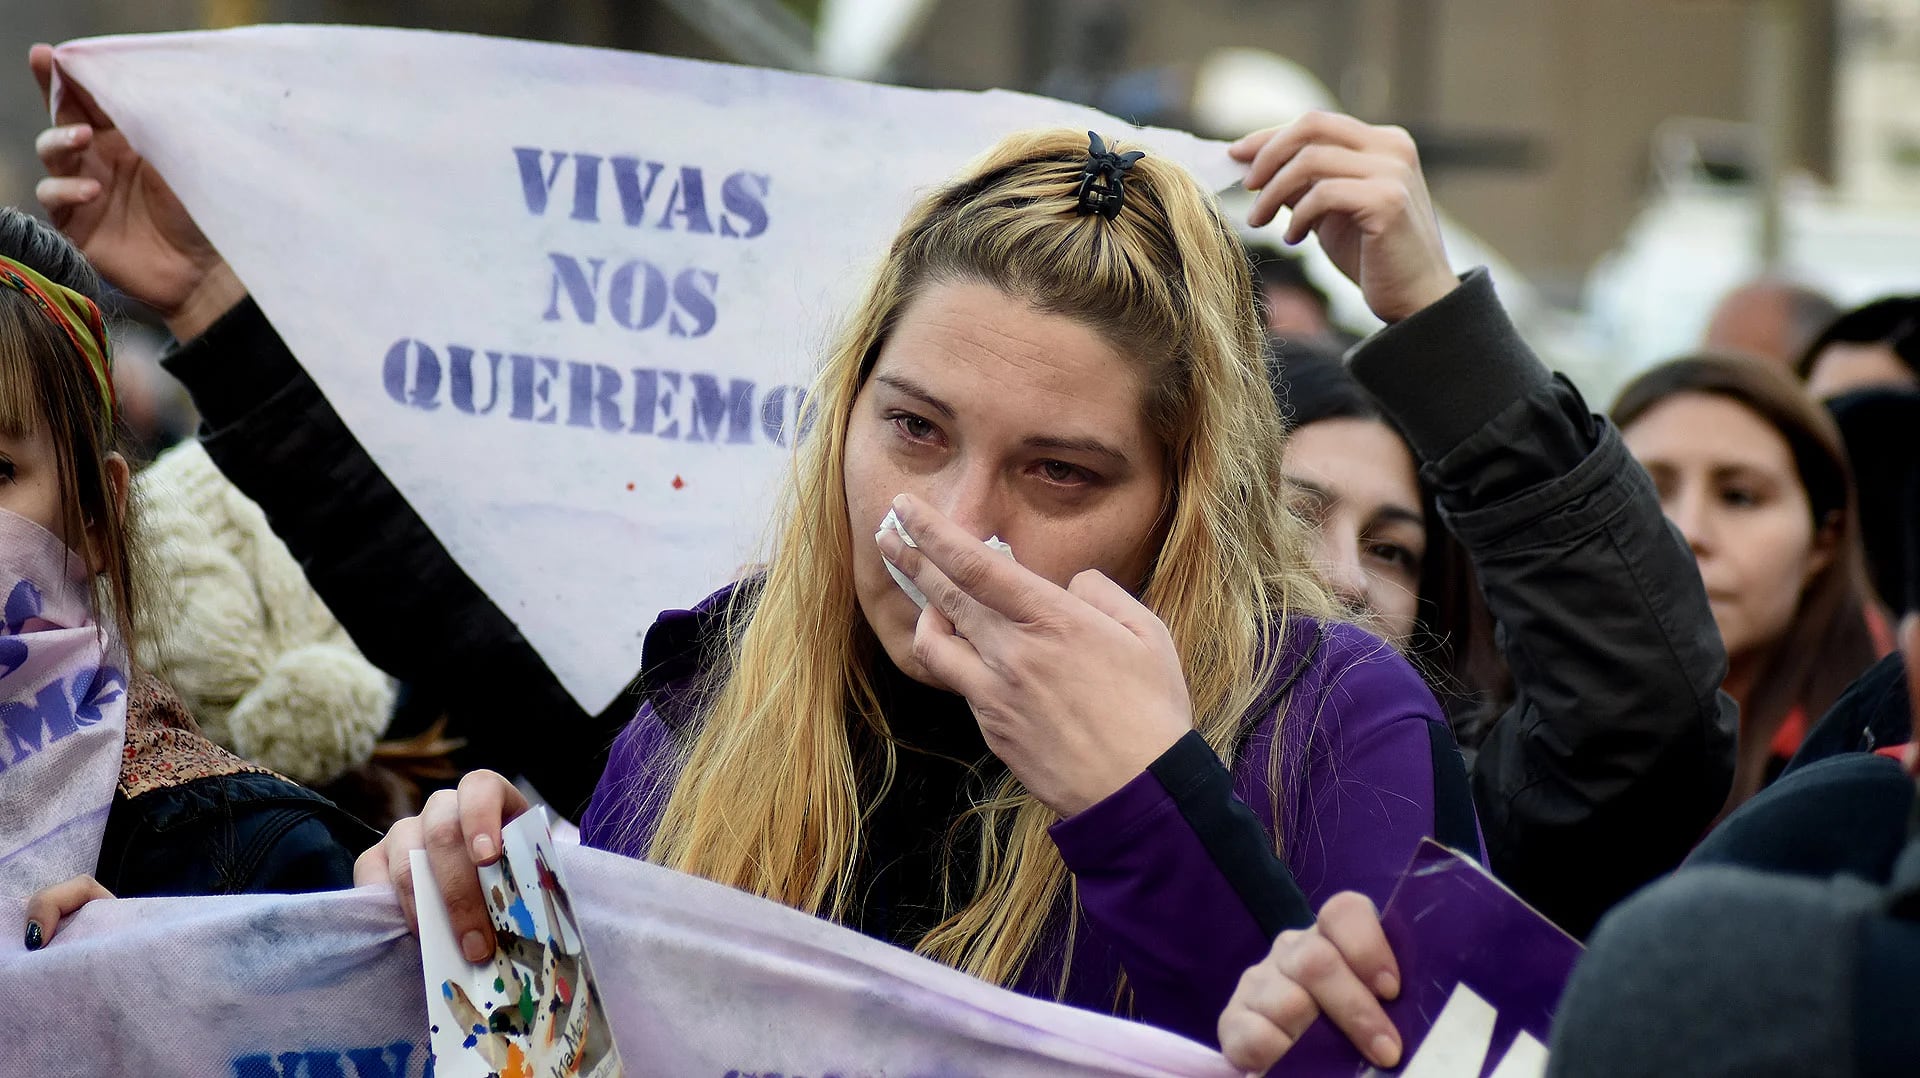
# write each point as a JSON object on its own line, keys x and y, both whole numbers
{"x": 912, "y": 427}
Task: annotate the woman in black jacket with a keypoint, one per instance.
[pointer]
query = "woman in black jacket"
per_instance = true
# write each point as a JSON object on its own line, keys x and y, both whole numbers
{"x": 1600, "y": 746}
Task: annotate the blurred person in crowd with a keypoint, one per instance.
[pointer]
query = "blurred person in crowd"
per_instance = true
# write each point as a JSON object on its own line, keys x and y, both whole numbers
{"x": 1768, "y": 318}
{"x": 937, "y": 390}
{"x": 1600, "y": 747}
{"x": 1753, "y": 473}
{"x": 1874, "y": 346}
{"x": 185, "y": 817}
{"x": 1296, "y": 309}
{"x": 1881, "y": 428}
{"x": 1790, "y": 941}
{"x": 155, "y": 410}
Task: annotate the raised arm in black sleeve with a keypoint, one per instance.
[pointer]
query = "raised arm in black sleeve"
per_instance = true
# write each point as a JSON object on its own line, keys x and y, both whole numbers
{"x": 1617, "y": 750}
{"x": 384, "y": 575}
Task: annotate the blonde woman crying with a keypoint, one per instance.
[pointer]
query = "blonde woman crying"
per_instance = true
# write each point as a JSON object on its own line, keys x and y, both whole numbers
{"x": 1109, "y": 769}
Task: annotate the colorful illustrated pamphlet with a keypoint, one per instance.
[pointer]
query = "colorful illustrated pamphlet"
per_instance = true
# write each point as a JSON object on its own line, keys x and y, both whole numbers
{"x": 534, "y": 1010}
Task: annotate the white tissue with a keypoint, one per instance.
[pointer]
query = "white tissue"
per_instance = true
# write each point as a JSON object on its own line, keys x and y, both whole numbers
{"x": 892, "y": 524}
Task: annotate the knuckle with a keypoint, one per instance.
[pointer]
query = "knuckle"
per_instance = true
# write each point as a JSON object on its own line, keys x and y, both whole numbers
{"x": 445, "y": 832}
{"x": 463, "y": 907}
{"x": 1259, "y": 981}
{"x": 951, "y": 604}
{"x": 1296, "y": 1008}
{"x": 924, "y": 648}
{"x": 1347, "y": 904}
{"x": 1236, "y": 1037}
{"x": 1045, "y": 616}
{"x": 483, "y": 779}
{"x": 968, "y": 565}
{"x": 1314, "y": 960}
{"x": 1250, "y": 979}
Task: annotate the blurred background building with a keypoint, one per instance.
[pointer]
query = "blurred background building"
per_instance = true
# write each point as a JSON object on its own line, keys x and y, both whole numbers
{"x": 1623, "y": 163}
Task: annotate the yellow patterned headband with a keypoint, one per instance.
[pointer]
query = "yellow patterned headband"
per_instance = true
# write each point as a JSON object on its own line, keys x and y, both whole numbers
{"x": 78, "y": 317}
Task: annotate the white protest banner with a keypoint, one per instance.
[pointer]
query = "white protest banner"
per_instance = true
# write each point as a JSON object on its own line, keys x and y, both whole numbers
{"x": 567, "y": 298}
{"x": 63, "y": 712}
{"x": 698, "y": 980}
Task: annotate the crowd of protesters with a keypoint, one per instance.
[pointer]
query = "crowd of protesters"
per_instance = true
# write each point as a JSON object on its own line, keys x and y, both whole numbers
{"x": 1646, "y": 665}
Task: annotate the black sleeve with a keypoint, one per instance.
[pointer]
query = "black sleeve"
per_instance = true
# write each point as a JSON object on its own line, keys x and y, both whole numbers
{"x": 229, "y": 835}
{"x": 382, "y": 573}
{"x": 1235, "y": 840}
{"x": 1617, "y": 749}
{"x": 1873, "y": 713}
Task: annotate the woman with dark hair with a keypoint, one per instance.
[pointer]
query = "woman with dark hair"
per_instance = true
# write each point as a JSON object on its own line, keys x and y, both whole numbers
{"x": 1752, "y": 472}
{"x": 1380, "y": 547}
{"x": 1875, "y": 346}
{"x": 1453, "y": 489}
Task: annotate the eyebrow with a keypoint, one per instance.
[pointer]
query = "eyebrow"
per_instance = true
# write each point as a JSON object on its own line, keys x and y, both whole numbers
{"x": 916, "y": 391}
{"x": 1749, "y": 472}
{"x": 1386, "y": 514}
{"x": 1311, "y": 487}
{"x": 1399, "y": 514}
{"x": 1090, "y": 446}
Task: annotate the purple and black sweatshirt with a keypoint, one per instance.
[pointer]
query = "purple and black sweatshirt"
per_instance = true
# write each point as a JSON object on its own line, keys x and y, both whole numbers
{"x": 1178, "y": 884}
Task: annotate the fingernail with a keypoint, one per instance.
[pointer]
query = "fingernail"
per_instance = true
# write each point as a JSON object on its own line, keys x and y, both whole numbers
{"x": 474, "y": 946}
{"x": 1385, "y": 1051}
{"x": 1386, "y": 986}
{"x": 73, "y": 135}
{"x": 35, "y": 940}
{"x": 482, "y": 847}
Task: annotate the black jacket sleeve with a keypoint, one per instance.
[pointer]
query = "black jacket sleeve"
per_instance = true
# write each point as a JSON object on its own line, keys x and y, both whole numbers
{"x": 238, "y": 834}
{"x": 384, "y": 575}
{"x": 1617, "y": 749}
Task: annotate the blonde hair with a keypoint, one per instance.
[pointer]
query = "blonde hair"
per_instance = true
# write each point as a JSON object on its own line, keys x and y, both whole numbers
{"x": 769, "y": 797}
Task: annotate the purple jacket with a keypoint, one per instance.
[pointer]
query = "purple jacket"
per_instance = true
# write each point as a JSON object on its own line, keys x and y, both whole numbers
{"x": 1178, "y": 883}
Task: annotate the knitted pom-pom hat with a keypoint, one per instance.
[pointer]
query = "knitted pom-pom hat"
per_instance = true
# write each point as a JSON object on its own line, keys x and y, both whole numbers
{"x": 233, "y": 626}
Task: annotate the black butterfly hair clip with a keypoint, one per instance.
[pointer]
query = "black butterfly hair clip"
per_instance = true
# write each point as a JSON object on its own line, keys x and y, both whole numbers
{"x": 1103, "y": 185}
